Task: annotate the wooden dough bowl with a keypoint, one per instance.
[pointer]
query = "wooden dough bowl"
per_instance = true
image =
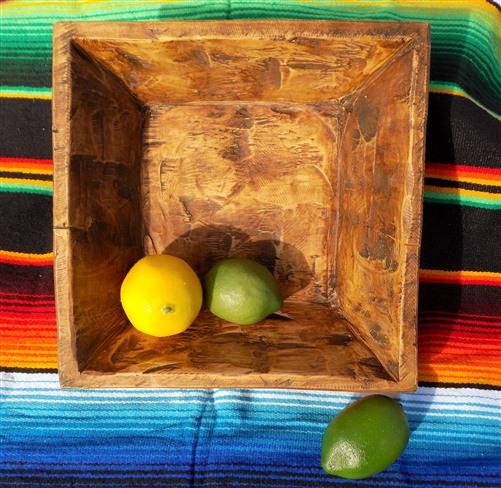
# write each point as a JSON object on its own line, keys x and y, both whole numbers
{"x": 299, "y": 144}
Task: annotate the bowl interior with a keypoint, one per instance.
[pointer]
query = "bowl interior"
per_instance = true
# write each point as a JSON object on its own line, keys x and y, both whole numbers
{"x": 297, "y": 152}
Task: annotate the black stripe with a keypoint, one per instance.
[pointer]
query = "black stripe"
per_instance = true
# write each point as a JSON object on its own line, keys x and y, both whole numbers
{"x": 26, "y": 222}
{"x": 180, "y": 482}
{"x": 460, "y": 237}
{"x": 214, "y": 469}
{"x": 477, "y": 386}
{"x": 424, "y": 314}
{"x": 460, "y": 131}
{"x": 24, "y": 176}
{"x": 220, "y": 481}
{"x": 7, "y": 369}
{"x": 453, "y": 298}
{"x": 243, "y": 468}
{"x": 445, "y": 183}
{"x": 26, "y": 279}
{"x": 26, "y": 128}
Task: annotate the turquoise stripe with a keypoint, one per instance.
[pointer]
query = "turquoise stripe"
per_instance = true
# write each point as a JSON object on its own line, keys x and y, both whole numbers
{"x": 39, "y": 429}
{"x": 461, "y": 201}
{"x": 24, "y": 189}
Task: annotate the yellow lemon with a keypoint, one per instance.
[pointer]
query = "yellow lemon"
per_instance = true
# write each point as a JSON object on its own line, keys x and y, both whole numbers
{"x": 161, "y": 295}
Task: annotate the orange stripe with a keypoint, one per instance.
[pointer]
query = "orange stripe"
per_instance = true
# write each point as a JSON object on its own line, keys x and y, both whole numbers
{"x": 7, "y": 363}
{"x": 460, "y": 277}
{"x": 26, "y": 165}
{"x": 33, "y": 355}
{"x": 35, "y": 346}
{"x": 49, "y": 337}
{"x": 27, "y": 341}
{"x": 464, "y": 371}
{"x": 453, "y": 365}
{"x": 440, "y": 376}
{"x": 26, "y": 259}
{"x": 28, "y": 170}
{"x": 437, "y": 376}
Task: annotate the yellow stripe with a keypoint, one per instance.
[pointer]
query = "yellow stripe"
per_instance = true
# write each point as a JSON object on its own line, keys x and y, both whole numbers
{"x": 464, "y": 192}
{"x": 76, "y": 5}
{"x": 27, "y": 181}
{"x": 459, "y": 92}
{"x": 16, "y": 169}
{"x": 27, "y": 95}
{"x": 463, "y": 179}
{"x": 481, "y": 6}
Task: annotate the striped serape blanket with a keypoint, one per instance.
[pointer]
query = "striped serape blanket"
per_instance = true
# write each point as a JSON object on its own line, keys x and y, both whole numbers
{"x": 251, "y": 438}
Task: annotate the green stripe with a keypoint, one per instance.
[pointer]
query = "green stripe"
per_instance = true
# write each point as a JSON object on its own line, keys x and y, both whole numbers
{"x": 27, "y": 90}
{"x": 436, "y": 197}
{"x": 8, "y": 188}
{"x": 465, "y": 42}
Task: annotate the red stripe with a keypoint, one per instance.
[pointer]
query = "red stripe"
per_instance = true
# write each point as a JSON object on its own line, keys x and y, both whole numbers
{"x": 480, "y": 358}
{"x": 463, "y": 168}
{"x": 27, "y": 303}
{"x": 20, "y": 311}
{"x": 458, "y": 337}
{"x": 451, "y": 323}
{"x": 22, "y": 321}
{"x": 460, "y": 334}
{"x": 23, "y": 335}
{"x": 9, "y": 294}
{"x": 454, "y": 327}
{"x": 31, "y": 327}
{"x": 453, "y": 280}
{"x": 446, "y": 344}
{"x": 441, "y": 347}
{"x": 447, "y": 335}
{"x": 26, "y": 311}
{"x": 26, "y": 160}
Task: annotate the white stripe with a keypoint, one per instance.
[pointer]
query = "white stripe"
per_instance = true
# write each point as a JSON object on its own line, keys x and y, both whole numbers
{"x": 257, "y": 397}
{"x": 14, "y": 382}
{"x": 230, "y": 401}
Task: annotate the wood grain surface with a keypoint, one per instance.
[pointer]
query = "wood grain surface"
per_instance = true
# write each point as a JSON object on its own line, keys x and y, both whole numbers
{"x": 298, "y": 144}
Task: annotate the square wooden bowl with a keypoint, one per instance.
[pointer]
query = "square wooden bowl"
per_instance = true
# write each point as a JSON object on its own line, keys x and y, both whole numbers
{"x": 296, "y": 143}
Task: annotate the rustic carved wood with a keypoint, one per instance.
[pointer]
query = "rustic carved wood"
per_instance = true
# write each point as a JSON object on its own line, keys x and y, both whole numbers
{"x": 299, "y": 144}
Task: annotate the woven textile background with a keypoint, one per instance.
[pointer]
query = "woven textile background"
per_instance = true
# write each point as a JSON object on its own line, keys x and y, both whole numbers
{"x": 250, "y": 438}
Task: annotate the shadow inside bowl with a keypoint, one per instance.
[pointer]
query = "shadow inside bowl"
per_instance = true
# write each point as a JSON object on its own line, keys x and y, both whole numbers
{"x": 204, "y": 246}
